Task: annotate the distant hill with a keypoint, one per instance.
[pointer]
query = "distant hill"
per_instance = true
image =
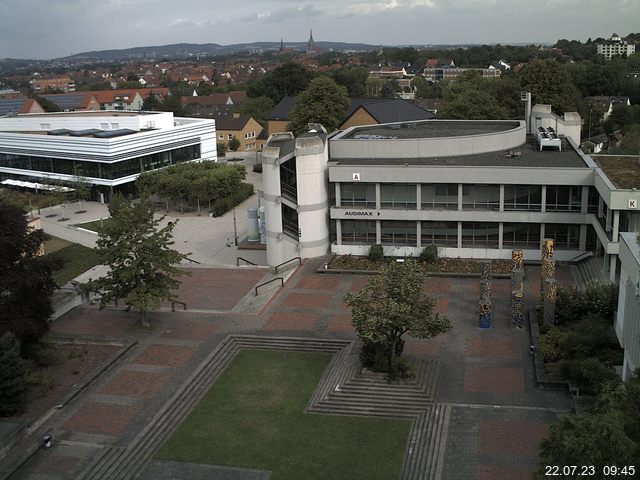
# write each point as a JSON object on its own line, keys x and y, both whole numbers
{"x": 204, "y": 49}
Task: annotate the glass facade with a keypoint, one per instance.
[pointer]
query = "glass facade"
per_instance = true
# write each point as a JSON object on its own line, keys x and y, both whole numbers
{"x": 288, "y": 180}
{"x": 439, "y": 195}
{"x": 290, "y": 221}
{"x": 480, "y": 234}
{"x": 521, "y": 235}
{"x": 399, "y": 232}
{"x": 564, "y": 198}
{"x": 481, "y": 197}
{"x": 565, "y": 237}
{"x": 111, "y": 171}
{"x": 442, "y": 234}
{"x": 398, "y": 195}
{"x": 358, "y": 232}
{"x": 358, "y": 195}
{"x": 523, "y": 197}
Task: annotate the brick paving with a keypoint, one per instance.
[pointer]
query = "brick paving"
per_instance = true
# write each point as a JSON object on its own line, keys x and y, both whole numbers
{"x": 498, "y": 415}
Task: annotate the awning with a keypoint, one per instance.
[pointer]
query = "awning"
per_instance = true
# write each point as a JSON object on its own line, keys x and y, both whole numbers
{"x": 36, "y": 186}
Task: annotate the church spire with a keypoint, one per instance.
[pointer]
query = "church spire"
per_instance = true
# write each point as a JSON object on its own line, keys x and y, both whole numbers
{"x": 281, "y": 44}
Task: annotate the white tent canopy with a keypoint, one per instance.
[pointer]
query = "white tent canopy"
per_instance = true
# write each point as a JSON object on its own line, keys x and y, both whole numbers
{"x": 36, "y": 186}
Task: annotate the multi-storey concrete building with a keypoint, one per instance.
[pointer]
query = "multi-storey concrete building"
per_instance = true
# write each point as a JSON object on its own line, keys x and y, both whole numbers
{"x": 627, "y": 324}
{"x": 615, "y": 46}
{"x": 108, "y": 148}
{"x": 476, "y": 189}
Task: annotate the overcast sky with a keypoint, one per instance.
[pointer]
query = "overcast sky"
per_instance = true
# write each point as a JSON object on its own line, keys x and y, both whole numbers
{"x": 55, "y": 28}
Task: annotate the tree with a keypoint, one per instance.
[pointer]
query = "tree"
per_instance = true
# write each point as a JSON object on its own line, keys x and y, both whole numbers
{"x": 234, "y": 144}
{"x": 258, "y": 108}
{"x": 152, "y": 102}
{"x": 46, "y": 104}
{"x": 26, "y": 282}
{"x": 12, "y": 370}
{"x": 138, "y": 252}
{"x": 173, "y": 103}
{"x": 324, "y": 101}
{"x": 354, "y": 79}
{"x": 287, "y": 79}
{"x": 82, "y": 188}
{"x": 550, "y": 84}
{"x": 470, "y": 99}
{"x": 390, "y": 305}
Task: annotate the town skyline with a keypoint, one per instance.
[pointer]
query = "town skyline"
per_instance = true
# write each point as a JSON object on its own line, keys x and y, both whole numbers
{"x": 34, "y": 31}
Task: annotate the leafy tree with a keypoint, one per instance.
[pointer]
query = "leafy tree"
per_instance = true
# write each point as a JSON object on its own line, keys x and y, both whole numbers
{"x": 26, "y": 281}
{"x": 81, "y": 186}
{"x": 46, "y": 104}
{"x": 354, "y": 79}
{"x": 152, "y": 102}
{"x": 221, "y": 148}
{"x": 390, "y": 305}
{"x": 141, "y": 262}
{"x": 12, "y": 371}
{"x": 470, "y": 98}
{"x": 258, "y": 108}
{"x": 173, "y": 103}
{"x": 324, "y": 101}
{"x": 549, "y": 83}
{"x": 234, "y": 144}
{"x": 287, "y": 79}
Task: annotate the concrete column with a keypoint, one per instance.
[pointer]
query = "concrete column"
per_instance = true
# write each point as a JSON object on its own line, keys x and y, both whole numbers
{"x": 583, "y": 238}
{"x": 378, "y": 198}
{"x": 459, "y": 234}
{"x": 500, "y": 233}
{"x": 612, "y": 268}
{"x": 541, "y": 233}
{"x": 616, "y": 225}
{"x": 419, "y": 233}
{"x": 418, "y": 199}
{"x": 608, "y": 222}
{"x": 459, "y": 197}
{"x": 378, "y": 232}
{"x": 584, "y": 205}
{"x": 339, "y": 232}
{"x": 501, "y": 208}
{"x": 543, "y": 199}
{"x": 338, "y": 203}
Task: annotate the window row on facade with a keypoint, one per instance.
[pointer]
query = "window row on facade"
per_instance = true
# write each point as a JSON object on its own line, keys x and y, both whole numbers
{"x": 474, "y": 197}
{"x": 473, "y": 234}
{"x": 109, "y": 171}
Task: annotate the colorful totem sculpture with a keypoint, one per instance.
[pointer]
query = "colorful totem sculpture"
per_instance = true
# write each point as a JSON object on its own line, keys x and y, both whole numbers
{"x": 548, "y": 283}
{"x": 517, "y": 288}
{"x": 484, "y": 305}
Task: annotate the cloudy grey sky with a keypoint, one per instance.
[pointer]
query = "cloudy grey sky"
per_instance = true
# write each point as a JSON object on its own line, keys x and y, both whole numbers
{"x": 54, "y": 28}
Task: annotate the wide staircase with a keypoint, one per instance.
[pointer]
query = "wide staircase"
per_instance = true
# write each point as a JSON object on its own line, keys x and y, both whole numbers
{"x": 589, "y": 271}
{"x": 344, "y": 389}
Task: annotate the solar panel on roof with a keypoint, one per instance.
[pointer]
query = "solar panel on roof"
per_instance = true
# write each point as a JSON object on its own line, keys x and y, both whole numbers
{"x": 59, "y": 131}
{"x": 10, "y": 105}
{"x": 84, "y": 133}
{"x": 66, "y": 102}
{"x": 114, "y": 133}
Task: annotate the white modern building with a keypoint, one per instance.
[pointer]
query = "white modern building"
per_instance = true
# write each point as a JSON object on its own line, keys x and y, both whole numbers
{"x": 475, "y": 189}
{"x": 627, "y": 324}
{"x": 107, "y": 148}
{"x": 615, "y": 46}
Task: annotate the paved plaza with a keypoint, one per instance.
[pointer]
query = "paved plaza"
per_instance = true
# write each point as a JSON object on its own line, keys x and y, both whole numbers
{"x": 497, "y": 415}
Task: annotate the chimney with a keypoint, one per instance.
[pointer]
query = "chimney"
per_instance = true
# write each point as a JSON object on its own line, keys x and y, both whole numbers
{"x": 236, "y": 115}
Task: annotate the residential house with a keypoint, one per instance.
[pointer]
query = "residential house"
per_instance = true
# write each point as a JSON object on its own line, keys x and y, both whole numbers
{"x": 500, "y": 65}
{"x": 243, "y": 127}
{"x": 615, "y": 46}
{"x": 73, "y": 102}
{"x": 606, "y": 103}
{"x": 19, "y": 105}
{"x": 63, "y": 83}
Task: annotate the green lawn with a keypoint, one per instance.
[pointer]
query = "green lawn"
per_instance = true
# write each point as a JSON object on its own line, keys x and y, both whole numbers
{"x": 77, "y": 259}
{"x": 254, "y": 417}
{"x": 94, "y": 226}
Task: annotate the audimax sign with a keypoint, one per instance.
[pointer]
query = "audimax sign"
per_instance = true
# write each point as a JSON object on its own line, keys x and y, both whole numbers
{"x": 360, "y": 213}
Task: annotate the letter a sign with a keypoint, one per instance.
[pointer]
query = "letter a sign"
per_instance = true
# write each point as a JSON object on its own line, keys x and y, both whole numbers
{"x": 356, "y": 177}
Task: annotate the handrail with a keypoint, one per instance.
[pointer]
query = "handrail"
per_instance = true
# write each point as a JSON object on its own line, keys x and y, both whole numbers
{"x": 290, "y": 260}
{"x": 173, "y": 305}
{"x": 192, "y": 260}
{"x": 581, "y": 256}
{"x": 245, "y": 260}
{"x": 266, "y": 283}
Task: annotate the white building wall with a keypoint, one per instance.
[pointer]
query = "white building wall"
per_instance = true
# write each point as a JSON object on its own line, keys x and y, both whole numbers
{"x": 87, "y": 120}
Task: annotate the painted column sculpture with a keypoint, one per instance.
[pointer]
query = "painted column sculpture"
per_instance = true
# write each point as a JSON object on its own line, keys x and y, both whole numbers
{"x": 484, "y": 305}
{"x": 548, "y": 283}
{"x": 517, "y": 289}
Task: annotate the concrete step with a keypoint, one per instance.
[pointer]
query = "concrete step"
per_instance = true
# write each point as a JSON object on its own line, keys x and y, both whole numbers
{"x": 102, "y": 462}
{"x": 351, "y": 410}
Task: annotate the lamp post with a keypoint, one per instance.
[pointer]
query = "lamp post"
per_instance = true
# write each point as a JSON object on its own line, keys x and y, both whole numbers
{"x": 235, "y": 228}
{"x": 590, "y": 109}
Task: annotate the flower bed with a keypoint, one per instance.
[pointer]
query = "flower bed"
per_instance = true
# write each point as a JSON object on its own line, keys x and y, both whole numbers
{"x": 443, "y": 265}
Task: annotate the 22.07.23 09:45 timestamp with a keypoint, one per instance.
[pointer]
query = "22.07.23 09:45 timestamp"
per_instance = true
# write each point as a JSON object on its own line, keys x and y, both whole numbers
{"x": 575, "y": 471}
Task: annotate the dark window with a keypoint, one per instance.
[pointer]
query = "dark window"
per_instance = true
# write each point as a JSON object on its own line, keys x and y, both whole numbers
{"x": 480, "y": 234}
{"x": 564, "y": 198}
{"x": 358, "y": 195}
{"x": 290, "y": 221}
{"x": 480, "y": 197}
{"x": 565, "y": 237}
{"x": 398, "y": 195}
{"x": 358, "y": 232}
{"x": 442, "y": 234}
{"x": 440, "y": 195}
{"x": 288, "y": 180}
{"x": 399, "y": 232}
{"x": 521, "y": 235}
{"x": 523, "y": 197}
{"x": 594, "y": 198}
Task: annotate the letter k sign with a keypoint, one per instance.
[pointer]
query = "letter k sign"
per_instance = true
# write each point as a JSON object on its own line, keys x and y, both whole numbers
{"x": 633, "y": 203}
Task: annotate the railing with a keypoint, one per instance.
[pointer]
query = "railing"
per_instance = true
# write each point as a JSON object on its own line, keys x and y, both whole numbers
{"x": 244, "y": 260}
{"x": 192, "y": 260}
{"x": 267, "y": 283}
{"x": 173, "y": 305}
{"x": 581, "y": 257}
{"x": 288, "y": 261}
